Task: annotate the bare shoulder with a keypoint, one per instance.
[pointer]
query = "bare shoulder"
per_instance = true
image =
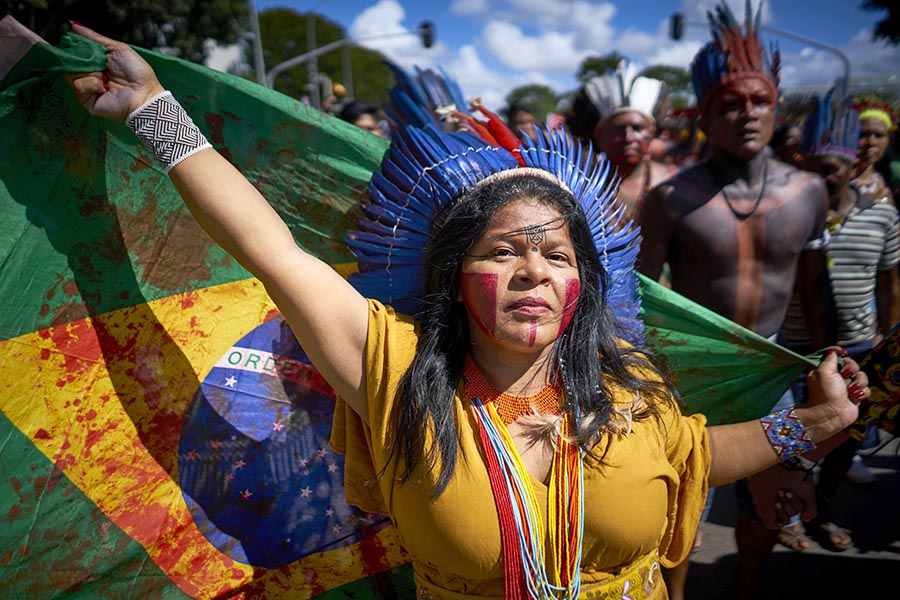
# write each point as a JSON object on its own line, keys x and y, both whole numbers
{"x": 798, "y": 196}
{"x": 661, "y": 172}
{"x": 789, "y": 178}
{"x": 686, "y": 188}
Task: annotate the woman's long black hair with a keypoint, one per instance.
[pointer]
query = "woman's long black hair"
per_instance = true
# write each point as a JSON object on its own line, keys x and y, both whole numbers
{"x": 589, "y": 358}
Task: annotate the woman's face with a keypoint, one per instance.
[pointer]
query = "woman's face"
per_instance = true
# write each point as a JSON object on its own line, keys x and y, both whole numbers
{"x": 520, "y": 279}
{"x": 873, "y": 141}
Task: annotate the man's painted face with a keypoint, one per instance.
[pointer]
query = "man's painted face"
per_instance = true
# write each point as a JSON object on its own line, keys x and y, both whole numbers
{"x": 520, "y": 280}
{"x": 625, "y": 137}
{"x": 740, "y": 119}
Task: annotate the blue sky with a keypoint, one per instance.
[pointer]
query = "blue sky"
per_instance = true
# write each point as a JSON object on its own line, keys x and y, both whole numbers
{"x": 493, "y": 46}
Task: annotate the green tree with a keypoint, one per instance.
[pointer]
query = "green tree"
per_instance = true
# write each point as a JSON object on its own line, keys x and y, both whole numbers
{"x": 598, "y": 65}
{"x": 284, "y": 36}
{"x": 179, "y": 26}
{"x": 539, "y": 99}
{"x": 888, "y": 28}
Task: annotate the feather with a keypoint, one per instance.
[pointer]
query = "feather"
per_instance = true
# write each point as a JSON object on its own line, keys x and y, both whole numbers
{"x": 733, "y": 51}
{"x": 427, "y": 168}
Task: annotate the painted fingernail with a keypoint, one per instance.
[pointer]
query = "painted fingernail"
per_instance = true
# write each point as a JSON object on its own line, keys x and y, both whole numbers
{"x": 853, "y": 388}
{"x": 788, "y": 495}
{"x": 778, "y": 505}
{"x": 845, "y": 372}
{"x": 105, "y": 79}
{"x": 829, "y": 352}
{"x": 71, "y": 22}
{"x": 858, "y": 394}
{"x": 842, "y": 352}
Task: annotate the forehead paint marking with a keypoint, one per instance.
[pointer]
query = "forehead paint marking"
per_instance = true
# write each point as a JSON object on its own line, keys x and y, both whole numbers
{"x": 573, "y": 288}
{"x": 535, "y": 233}
{"x": 479, "y": 291}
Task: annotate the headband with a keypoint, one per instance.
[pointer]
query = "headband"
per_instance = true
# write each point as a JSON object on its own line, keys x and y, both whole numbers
{"x": 880, "y": 114}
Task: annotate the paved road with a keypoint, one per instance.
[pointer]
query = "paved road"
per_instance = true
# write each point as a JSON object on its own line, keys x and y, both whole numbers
{"x": 869, "y": 570}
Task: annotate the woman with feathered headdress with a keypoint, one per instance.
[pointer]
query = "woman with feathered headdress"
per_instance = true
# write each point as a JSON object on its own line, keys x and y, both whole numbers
{"x": 512, "y": 425}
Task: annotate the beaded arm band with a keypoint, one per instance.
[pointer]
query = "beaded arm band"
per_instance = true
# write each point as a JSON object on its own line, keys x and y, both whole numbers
{"x": 166, "y": 130}
{"x": 786, "y": 433}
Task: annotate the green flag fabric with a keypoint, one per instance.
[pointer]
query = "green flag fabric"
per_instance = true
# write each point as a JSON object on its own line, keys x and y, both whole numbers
{"x": 722, "y": 370}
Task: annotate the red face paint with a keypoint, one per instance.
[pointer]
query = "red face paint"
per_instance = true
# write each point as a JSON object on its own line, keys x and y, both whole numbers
{"x": 573, "y": 288}
{"x": 479, "y": 292}
{"x": 532, "y": 334}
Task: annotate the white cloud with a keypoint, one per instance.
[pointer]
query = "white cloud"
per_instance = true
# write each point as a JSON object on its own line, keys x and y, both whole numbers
{"x": 868, "y": 57}
{"x": 592, "y": 26}
{"x": 382, "y": 18}
{"x": 380, "y": 27}
{"x": 674, "y": 54}
{"x": 470, "y": 7}
{"x": 695, "y": 10}
{"x": 822, "y": 67}
{"x": 224, "y": 58}
{"x": 553, "y": 51}
{"x": 492, "y": 86}
{"x": 477, "y": 80}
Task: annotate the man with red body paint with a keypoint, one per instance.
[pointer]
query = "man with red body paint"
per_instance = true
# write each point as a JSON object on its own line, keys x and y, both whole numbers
{"x": 738, "y": 230}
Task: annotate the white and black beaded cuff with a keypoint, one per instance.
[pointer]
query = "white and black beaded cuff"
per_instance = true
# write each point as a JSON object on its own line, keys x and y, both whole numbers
{"x": 166, "y": 130}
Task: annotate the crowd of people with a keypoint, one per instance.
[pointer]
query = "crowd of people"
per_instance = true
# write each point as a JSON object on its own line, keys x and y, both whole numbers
{"x": 519, "y": 446}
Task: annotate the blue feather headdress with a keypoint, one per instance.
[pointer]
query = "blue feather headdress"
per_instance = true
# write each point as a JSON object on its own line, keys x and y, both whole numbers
{"x": 427, "y": 169}
{"x": 733, "y": 54}
{"x": 832, "y": 131}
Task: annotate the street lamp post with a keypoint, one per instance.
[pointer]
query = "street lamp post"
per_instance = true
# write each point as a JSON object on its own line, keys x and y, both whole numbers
{"x": 259, "y": 64}
{"x": 425, "y": 31}
{"x": 677, "y": 23}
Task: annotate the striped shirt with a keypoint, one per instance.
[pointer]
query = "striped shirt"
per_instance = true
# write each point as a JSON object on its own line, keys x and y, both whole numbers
{"x": 866, "y": 242}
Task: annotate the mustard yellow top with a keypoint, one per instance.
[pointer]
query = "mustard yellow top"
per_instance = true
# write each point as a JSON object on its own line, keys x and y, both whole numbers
{"x": 647, "y": 496}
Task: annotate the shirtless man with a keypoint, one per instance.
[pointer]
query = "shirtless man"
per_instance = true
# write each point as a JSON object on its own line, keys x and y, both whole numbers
{"x": 738, "y": 229}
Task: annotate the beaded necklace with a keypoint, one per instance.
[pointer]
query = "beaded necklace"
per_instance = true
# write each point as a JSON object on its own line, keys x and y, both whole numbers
{"x": 509, "y": 407}
{"x": 527, "y": 572}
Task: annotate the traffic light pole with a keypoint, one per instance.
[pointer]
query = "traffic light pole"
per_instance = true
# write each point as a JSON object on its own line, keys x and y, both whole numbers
{"x": 426, "y": 30}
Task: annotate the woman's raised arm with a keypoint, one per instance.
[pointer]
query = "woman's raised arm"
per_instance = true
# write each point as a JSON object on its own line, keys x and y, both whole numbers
{"x": 328, "y": 316}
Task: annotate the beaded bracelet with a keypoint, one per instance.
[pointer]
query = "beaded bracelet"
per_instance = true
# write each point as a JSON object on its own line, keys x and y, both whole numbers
{"x": 166, "y": 130}
{"x": 786, "y": 433}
